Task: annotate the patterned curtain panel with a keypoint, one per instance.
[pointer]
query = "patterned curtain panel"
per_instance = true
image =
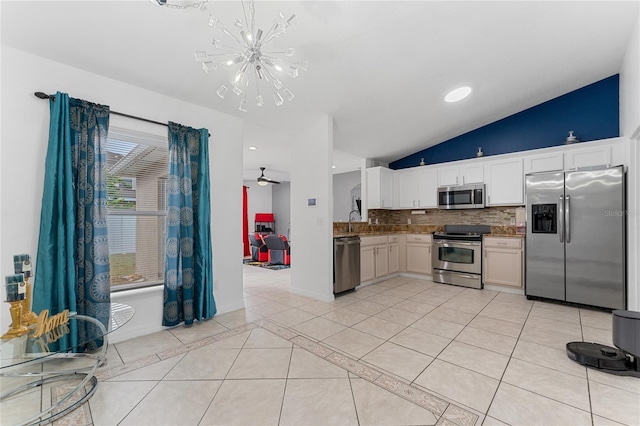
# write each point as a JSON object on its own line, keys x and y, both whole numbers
{"x": 188, "y": 286}
{"x": 72, "y": 267}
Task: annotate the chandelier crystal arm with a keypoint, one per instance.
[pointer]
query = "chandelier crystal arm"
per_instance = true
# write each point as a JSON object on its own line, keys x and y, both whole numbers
{"x": 301, "y": 64}
{"x": 276, "y": 29}
{"x": 277, "y": 84}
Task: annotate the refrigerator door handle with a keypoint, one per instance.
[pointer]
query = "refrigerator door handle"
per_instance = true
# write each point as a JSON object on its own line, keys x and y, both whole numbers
{"x": 567, "y": 220}
{"x": 561, "y": 218}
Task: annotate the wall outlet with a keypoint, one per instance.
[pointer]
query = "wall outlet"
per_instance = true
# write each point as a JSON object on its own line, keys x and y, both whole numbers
{"x": 512, "y": 221}
{"x": 215, "y": 284}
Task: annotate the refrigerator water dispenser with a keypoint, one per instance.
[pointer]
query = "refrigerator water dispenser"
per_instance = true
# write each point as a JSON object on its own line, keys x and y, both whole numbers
{"x": 544, "y": 218}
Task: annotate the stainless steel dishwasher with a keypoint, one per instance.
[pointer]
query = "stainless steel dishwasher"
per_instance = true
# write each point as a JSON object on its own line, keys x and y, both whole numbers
{"x": 346, "y": 263}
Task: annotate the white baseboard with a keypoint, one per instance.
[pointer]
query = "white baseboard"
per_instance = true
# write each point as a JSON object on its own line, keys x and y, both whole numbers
{"x": 316, "y": 296}
{"x": 504, "y": 289}
{"x": 417, "y": 276}
{"x": 230, "y": 307}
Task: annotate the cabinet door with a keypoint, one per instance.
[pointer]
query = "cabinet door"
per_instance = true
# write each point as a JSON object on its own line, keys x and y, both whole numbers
{"x": 379, "y": 188}
{"x": 394, "y": 258}
{"x": 367, "y": 263}
{"x": 427, "y": 193}
{"x": 550, "y": 162}
{"x": 448, "y": 176}
{"x": 386, "y": 188}
{"x": 373, "y": 188}
{"x": 502, "y": 267}
{"x": 419, "y": 258}
{"x": 406, "y": 187}
{"x": 505, "y": 182}
{"x": 585, "y": 157}
{"x": 382, "y": 261}
{"x": 471, "y": 173}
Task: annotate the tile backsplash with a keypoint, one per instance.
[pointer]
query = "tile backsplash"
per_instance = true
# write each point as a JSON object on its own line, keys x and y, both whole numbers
{"x": 494, "y": 216}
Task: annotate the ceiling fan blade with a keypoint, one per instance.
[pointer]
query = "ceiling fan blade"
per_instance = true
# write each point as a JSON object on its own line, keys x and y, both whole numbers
{"x": 263, "y": 178}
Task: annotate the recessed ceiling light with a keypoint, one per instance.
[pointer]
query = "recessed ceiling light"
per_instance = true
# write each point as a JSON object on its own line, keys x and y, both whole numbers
{"x": 458, "y": 94}
{"x": 333, "y": 167}
{"x": 252, "y": 148}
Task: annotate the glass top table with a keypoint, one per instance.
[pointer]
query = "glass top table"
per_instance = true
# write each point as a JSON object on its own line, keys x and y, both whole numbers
{"x": 48, "y": 358}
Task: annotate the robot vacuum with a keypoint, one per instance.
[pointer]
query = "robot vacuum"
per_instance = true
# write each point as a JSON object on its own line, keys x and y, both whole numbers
{"x": 621, "y": 360}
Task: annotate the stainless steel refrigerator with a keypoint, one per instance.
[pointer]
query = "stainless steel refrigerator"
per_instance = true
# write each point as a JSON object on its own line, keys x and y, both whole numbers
{"x": 576, "y": 237}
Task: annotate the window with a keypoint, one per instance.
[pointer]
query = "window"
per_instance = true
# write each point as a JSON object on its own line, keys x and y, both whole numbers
{"x": 137, "y": 169}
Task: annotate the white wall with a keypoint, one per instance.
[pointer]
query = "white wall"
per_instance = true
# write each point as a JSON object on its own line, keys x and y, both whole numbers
{"x": 281, "y": 196}
{"x": 343, "y": 183}
{"x": 312, "y": 260}
{"x": 630, "y": 127}
{"x": 24, "y": 144}
{"x": 259, "y": 201}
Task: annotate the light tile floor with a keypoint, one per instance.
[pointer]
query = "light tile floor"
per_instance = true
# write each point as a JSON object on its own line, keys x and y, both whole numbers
{"x": 403, "y": 351}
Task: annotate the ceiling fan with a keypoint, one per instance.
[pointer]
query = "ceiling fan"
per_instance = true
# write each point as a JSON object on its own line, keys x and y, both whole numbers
{"x": 263, "y": 180}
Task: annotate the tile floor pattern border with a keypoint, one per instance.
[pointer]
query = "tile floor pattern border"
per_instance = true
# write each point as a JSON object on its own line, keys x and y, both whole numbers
{"x": 446, "y": 412}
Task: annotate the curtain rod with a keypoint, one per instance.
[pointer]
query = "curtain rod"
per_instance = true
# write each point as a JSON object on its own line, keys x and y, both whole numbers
{"x": 42, "y": 95}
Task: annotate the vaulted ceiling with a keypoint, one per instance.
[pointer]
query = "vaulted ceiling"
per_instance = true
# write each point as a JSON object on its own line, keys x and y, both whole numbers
{"x": 380, "y": 68}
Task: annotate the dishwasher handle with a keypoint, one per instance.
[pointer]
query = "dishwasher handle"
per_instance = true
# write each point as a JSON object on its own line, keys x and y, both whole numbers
{"x": 347, "y": 243}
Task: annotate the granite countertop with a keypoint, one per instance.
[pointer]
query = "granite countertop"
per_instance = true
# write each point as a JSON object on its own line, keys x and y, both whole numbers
{"x": 374, "y": 233}
{"x": 364, "y": 230}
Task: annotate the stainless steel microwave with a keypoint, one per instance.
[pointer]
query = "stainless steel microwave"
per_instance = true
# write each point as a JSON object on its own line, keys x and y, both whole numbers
{"x": 461, "y": 196}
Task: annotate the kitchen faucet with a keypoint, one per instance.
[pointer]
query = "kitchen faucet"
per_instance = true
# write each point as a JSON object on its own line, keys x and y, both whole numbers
{"x": 350, "y": 225}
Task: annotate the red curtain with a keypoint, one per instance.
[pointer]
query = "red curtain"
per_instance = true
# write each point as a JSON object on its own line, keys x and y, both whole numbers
{"x": 245, "y": 222}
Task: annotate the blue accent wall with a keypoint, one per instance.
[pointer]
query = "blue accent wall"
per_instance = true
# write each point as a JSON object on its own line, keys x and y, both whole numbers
{"x": 592, "y": 112}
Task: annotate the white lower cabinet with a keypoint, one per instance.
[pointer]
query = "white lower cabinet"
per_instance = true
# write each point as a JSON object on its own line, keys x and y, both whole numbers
{"x": 374, "y": 257}
{"x": 367, "y": 263}
{"x": 382, "y": 260}
{"x": 394, "y": 254}
{"x": 503, "y": 261}
{"x": 419, "y": 253}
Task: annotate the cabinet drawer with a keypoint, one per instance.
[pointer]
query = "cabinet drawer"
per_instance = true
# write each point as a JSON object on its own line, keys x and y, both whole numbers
{"x": 372, "y": 241}
{"x": 419, "y": 238}
{"x": 393, "y": 239}
{"x": 503, "y": 242}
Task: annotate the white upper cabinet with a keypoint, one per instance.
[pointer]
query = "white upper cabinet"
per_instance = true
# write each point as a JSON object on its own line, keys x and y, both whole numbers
{"x": 417, "y": 187}
{"x": 448, "y": 176}
{"x": 427, "y": 183}
{"x": 406, "y": 181}
{"x": 379, "y": 188}
{"x": 461, "y": 174}
{"x": 547, "y": 162}
{"x": 586, "y": 157}
{"x": 607, "y": 152}
{"x": 503, "y": 175}
{"x": 505, "y": 182}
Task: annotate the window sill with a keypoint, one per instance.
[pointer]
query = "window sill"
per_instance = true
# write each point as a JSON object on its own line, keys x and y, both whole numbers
{"x": 137, "y": 286}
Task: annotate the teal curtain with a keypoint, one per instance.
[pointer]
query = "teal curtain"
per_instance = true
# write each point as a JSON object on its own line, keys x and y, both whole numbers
{"x": 72, "y": 267}
{"x": 188, "y": 286}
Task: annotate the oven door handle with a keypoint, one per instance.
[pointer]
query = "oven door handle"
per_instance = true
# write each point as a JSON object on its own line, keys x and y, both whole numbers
{"x": 458, "y": 274}
{"x": 461, "y": 243}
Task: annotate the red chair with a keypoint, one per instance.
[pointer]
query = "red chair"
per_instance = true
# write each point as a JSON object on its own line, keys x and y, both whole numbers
{"x": 279, "y": 250}
{"x": 259, "y": 249}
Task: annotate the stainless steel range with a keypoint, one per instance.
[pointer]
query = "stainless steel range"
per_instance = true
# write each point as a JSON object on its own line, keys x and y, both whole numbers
{"x": 457, "y": 255}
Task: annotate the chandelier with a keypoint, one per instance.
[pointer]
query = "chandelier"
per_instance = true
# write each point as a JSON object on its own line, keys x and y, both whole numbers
{"x": 253, "y": 63}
